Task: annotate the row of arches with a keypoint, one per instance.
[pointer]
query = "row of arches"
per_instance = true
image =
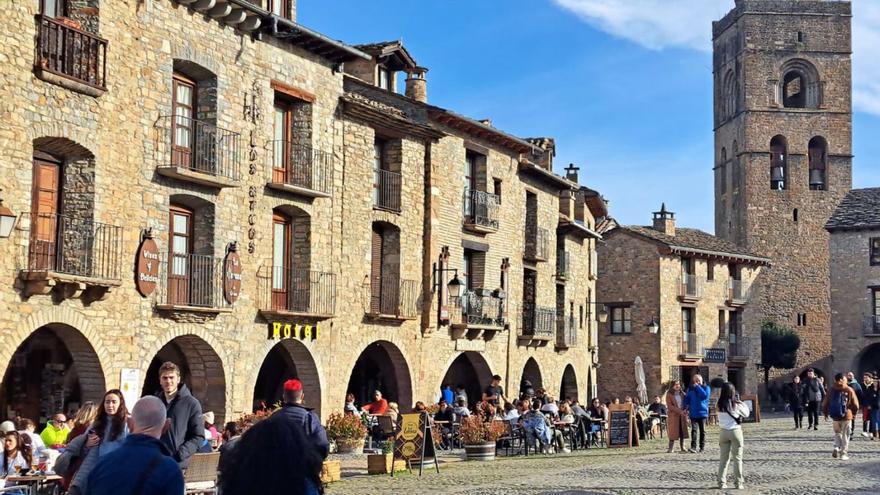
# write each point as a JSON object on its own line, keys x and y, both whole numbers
{"x": 56, "y": 368}
{"x": 780, "y": 175}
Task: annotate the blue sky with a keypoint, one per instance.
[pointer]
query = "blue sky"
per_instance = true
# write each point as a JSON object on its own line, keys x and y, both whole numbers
{"x": 625, "y": 86}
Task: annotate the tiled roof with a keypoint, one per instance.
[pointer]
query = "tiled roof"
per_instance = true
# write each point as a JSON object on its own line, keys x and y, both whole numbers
{"x": 860, "y": 209}
{"x": 696, "y": 241}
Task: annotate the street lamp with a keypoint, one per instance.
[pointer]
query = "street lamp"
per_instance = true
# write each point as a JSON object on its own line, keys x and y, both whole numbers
{"x": 653, "y": 325}
{"x": 454, "y": 286}
{"x": 602, "y": 312}
{"x": 7, "y": 220}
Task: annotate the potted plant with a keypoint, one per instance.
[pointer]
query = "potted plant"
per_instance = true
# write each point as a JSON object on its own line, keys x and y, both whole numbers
{"x": 479, "y": 437}
{"x": 348, "y": 431}
{"x": 384, "y": 462}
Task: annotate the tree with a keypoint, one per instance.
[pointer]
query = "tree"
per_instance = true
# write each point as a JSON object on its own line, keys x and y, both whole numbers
{"x": 779, "y": 346}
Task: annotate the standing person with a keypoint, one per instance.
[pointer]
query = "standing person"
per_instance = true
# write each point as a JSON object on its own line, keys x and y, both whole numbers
{"x": 494, "y": 394}
{"x": 697, "y": 404}
{"x": 187, "y": 431}
{"x": 447, "y": 394}
{"x": 461, "y": 394}
{"x": 867, "y": 386}
{"x": 295, "y": 411}
{"x": 873, "y": 397}
{"x": 104, "y": 435}
{"x": 814, "y": 392}
{"x": 853, "y": 384}
{"x": 795, "y": 394}
{"x": 143, "y": 464}
{"x": 731, "y": 412}
{"x": 676, "y": 422}
{"x": 841, "y": 404}
{"x": 55, "y": 434}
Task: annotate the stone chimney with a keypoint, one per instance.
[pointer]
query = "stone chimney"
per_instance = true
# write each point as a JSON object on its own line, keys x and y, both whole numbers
{"x": 571, "y": 173}
{"x": 487, "y": 122}
{"x": 417, "y": 85}
{"x": 664, "y": 221}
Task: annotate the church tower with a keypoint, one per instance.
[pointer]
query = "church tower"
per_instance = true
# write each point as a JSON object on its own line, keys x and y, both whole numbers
{"x": 783, "y": 152}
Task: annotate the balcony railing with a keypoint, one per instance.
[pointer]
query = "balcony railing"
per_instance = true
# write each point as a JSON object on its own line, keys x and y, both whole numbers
{"x": 537, "y": 244}
{"x": 395, "y": 298}
{"x": 71, "y": 53}
{"x": 386, "y": 189}
{"x": 301, "y": 292}
{"x": 737, "y": 294}
{"x": 191, "y": 281}
{"x": 480, "y": 308}
{"x": 563, "y": 265}
{"x": 871, "y": 326}
{"x": 691, "y": 345}
{"x": 537, "y": 322}
{"x": 81, "y": 247}
{"x": 195, "y": 146}
{"x": 301, "y": 169}
{"x": 481, "y": 209}
{"x": 566, "y": 331}
{"x": 691, "y": 287}
{"x": 738, "y": 347}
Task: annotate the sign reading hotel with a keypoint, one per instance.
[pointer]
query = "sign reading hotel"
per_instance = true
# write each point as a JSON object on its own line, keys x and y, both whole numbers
{"x": 146, "y": 274}
{"x": 279, "y": 330}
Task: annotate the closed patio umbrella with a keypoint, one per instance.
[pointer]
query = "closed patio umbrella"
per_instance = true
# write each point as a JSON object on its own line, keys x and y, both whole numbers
{"x": 640, "y": 381}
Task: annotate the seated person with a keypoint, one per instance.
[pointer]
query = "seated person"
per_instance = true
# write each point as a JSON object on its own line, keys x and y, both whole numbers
{"x": 550, "y": 406}
{"x": 577, "y": 410}
{"x": 378, "y": 407}
{"x": 393, "y": 411}
{"x": 445, "y": 417}
{"x": 350, "y": 408}
{"x": 461, "y": 410}
{"x": 536, "y": 427}
{"x": 444, "y": 412}
{"x": 510, "y": 412}
{"x": 565, "y": 414}
{"x": 655, "y": 410}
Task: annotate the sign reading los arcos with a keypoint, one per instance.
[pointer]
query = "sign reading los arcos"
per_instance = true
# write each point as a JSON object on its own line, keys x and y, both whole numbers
{"x": 146, "y": 275}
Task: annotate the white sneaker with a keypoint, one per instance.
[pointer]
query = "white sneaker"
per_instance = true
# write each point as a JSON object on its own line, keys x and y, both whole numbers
{"x": 866, "y": 434}
{"x": 835, "y": 453}
{"x": 844, "y": 457}
{"x": 566, "y": 450}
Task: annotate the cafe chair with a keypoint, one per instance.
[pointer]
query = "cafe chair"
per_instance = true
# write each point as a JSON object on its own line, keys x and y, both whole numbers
{"x": 200, "y": 477}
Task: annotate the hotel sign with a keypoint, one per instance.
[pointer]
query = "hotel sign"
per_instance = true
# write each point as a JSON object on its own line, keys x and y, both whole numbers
{"x": 279, "y": 330}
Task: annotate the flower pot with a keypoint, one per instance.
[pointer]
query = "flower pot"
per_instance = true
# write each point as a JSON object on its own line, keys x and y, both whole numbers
{"x": 382, "y": 464}
{"x": 480, "y": 452}
{"x": 331, "y": 471}
{"x": 350, "y": 445}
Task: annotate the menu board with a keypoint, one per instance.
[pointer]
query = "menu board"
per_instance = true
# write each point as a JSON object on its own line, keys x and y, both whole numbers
{"x": 414, "y": 441}
{"x": 620, "y": 425}
{"x": 751, "y": 401}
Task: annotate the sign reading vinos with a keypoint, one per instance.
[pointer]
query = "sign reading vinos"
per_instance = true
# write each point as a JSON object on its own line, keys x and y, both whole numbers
{"x": 146, "y": 274}
{"x": 231, "y": 276}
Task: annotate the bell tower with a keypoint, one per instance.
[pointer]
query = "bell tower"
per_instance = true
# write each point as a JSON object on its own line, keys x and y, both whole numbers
{"x": 783, "y": 152}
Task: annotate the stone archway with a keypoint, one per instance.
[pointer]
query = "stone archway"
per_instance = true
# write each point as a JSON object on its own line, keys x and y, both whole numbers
{"x": 470, "y": 371}
{"x": 868, "y": 360}
{"x": 381, "y": 366}
{"x": 532, "y": 373}
{"x": 568, "y": 389}
{"x": 285, "y": 360}
{"x": 54, "y": 369}
{"x": 201, "y": 370}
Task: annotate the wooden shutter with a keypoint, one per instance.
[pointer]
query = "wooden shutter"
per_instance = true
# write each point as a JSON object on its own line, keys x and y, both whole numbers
{"x": 44, "y": 231}
{"x": 376, "y": 271}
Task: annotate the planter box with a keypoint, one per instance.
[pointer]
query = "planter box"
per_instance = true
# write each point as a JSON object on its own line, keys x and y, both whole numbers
{"x": 481, "y": 452}
{"x": 382, "y": 464}
{"x": 331, "y": 471}
{"x": 349, "y": 445}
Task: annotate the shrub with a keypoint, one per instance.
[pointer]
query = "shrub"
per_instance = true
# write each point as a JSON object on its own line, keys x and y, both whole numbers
{"x": 475, "y": 431}
{"x": 345, "y": 426}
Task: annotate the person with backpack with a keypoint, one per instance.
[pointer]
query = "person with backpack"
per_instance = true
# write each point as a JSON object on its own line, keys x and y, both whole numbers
{"x": 813, "y": 394}
{"x": 731, "y": 412}
{"x": 841, "y": 404}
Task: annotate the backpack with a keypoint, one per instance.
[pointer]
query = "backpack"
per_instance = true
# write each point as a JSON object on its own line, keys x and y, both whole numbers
{"x": 837, "y": 405}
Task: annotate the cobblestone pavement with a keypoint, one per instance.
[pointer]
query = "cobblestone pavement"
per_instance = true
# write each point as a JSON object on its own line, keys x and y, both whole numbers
{"x": 778, "y": 460}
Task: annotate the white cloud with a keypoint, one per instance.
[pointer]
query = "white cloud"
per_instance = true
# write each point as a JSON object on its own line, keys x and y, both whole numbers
{"x": 661, "y": 24}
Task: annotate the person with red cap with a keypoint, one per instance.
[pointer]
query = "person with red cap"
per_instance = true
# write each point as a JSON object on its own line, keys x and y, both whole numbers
{"x": 296, "y": 412}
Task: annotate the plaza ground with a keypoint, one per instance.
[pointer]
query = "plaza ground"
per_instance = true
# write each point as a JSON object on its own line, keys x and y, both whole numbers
{"x": 778, "y": 460}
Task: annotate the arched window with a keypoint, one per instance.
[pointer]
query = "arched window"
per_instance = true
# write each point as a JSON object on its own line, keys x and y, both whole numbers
{"x": 734, "y": 167}
{"x": 794, "y": 91}
{"x": 800, "y": 85}
{"x": 818, "y": 153}
{"x": 728, "y": 103}
{"x": 722, "y": 171}
{"x": 778, "y": 163}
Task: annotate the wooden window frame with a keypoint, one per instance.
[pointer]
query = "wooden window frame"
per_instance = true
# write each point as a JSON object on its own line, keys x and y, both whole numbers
{"x": 622, "y": 314}
{"x": 279, "y": 175}
{"x": 283, "y": 293}
{"x": 177, "y": 80}
{"x": 874, "y": 251}
{"x": 174, "y": 295}
{"x": 875, "y": 299}
{"x": 63, "y": 7}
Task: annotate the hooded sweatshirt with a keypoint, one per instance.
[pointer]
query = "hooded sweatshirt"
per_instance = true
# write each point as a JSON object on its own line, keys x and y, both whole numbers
{"x": 852, "y": 402}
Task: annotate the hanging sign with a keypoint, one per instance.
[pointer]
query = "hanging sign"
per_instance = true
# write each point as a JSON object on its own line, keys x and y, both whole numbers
{"x": 146, "y": 274}
{"x": 231, "y": 277}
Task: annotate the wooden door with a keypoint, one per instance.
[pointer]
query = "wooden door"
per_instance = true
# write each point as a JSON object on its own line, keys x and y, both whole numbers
{"x": 44, "y": 229}
{"x": 281, "y": 273}
{"x": 183, "y": 123}
{"x": 376, "y": 305}
{"x": 180, "y": 257}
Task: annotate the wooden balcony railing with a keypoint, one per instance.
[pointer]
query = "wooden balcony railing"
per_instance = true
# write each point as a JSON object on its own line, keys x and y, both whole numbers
{"x": 386, "y": 189}
{"x": 301, "y": 169}
{"x": 71, "y": 53}
{"x": 301, "y": 292}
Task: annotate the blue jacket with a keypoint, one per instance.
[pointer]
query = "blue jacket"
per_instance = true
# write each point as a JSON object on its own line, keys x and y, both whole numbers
{"x": 310, "y": 423}
{"x": 447, "y": 395}
{"x": 697, "y": 401}
{"x": 120, "y": 471}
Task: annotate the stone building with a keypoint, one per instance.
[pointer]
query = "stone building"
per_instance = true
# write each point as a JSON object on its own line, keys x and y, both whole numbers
{"x": 214, "y": 184}
{"x": 783, "y": 150}
{"x": 679, "y": 299}
{"x": 855, "y": 281}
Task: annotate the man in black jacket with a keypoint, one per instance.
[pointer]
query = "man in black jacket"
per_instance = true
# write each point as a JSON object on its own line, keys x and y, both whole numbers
{"x": 814, "y": 393}
{"x": 294, "y": 410}
{"x": 187, "y": 431}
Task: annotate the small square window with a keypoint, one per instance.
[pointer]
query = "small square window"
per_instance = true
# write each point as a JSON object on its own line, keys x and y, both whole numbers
{"x": 621, "y": 320}
{"x": 875, "y": 250}
{"x": 802, "y": 319}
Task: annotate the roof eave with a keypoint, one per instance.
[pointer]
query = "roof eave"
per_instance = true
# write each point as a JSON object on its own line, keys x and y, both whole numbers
{"x": 704, "y": 252}
{"x": 542, "y": 173}
{"x": 313, "y": 41}
{"x": 480, "y": 130}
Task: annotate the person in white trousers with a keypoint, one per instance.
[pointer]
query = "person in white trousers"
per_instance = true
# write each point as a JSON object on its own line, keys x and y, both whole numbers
{"x": 731, "y": 412}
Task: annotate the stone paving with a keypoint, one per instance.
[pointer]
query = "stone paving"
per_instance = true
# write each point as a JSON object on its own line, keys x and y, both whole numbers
{"x": 778, "y": 460}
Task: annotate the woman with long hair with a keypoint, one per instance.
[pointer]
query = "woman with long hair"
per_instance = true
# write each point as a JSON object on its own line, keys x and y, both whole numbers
{"x": 676, "y": 416}
{"x": 273, "y": 457}
{"x": 731, "y": 412}
{"x": 83, "y": 418}
{"x": 17, "y": 455}
{"x": 103, "y": 436}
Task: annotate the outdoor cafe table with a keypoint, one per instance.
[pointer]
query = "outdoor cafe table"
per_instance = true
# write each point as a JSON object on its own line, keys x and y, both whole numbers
{"x": 34, "y": 484}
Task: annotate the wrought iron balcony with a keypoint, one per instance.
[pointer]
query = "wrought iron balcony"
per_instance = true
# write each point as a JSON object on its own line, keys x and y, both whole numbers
{"x": 200, "y": 152}
{"x": 563, "y": 265}
{"x": 691, "y": 346}
{"x": 871, "y": 326}
{"x": 191, "y": 282}
{"x": 566, "y": 331}
{"x": 287, "y": 291}
{"x": 70, "y": 57}
{"x": 70, "y": 249}
{"x": 738, "y": 348}
{"x": 537, "y": 323}
{"x": 386, "y": 190}
{"x": 537, "y": 246}
{"x": 301, "y": 169}
{"x": 392, "y": 298}
{"x": 481, "y": 308}
{"x": 480, "y": 211}
{"x": 691, "y": 288}
{"x": 737, "y": 294}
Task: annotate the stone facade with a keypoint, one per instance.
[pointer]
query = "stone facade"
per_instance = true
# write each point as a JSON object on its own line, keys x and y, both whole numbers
{"x": 782, "y": 73}
{"x": 117, "y": 144}
{"x": 645, "y": 275}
